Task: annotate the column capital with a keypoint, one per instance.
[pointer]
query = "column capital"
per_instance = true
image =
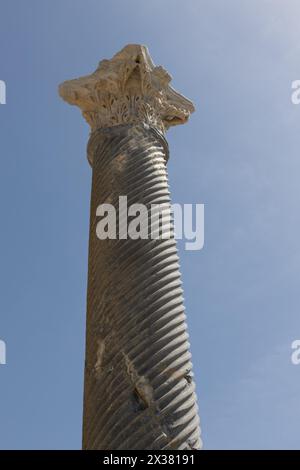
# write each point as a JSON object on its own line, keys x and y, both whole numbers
{"x": 127, "y": 89}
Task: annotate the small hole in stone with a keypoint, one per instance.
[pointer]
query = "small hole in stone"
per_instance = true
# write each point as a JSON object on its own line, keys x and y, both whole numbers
{"x": 139, "y": 404}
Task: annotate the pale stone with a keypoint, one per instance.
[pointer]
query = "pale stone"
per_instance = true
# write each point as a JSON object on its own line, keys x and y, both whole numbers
{"x": 129, "y": 88}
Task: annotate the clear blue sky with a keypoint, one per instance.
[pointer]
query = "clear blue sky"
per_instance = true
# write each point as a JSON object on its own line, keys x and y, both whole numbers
{"x": 239, "y": 155}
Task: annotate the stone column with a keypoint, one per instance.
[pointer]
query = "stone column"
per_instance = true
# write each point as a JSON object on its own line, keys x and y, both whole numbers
{"x": 138, "y": 390}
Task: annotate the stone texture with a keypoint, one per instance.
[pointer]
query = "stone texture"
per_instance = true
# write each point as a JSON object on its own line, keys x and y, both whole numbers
{"x": 139, "y": 389}
{"x": 128, "y": 89}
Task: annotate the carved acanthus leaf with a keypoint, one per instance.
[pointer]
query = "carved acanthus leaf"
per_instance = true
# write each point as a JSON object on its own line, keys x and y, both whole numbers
{"x": 129, "y": 88}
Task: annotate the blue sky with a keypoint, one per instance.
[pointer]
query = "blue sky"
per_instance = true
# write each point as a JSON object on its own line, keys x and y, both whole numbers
{"x": 239, "y": 155}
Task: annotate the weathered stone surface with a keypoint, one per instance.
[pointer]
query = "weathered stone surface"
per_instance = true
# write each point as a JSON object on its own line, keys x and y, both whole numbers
{"x": 139, "y": 391}
{"x": 128, "y": 89}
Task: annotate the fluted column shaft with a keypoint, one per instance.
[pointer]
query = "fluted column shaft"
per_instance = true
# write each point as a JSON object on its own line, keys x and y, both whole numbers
{"x": 139, "y": 392}
{"x": 139, "y": 389}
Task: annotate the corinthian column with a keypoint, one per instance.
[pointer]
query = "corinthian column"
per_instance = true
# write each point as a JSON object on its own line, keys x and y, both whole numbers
{"x": 138, "y": 390}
